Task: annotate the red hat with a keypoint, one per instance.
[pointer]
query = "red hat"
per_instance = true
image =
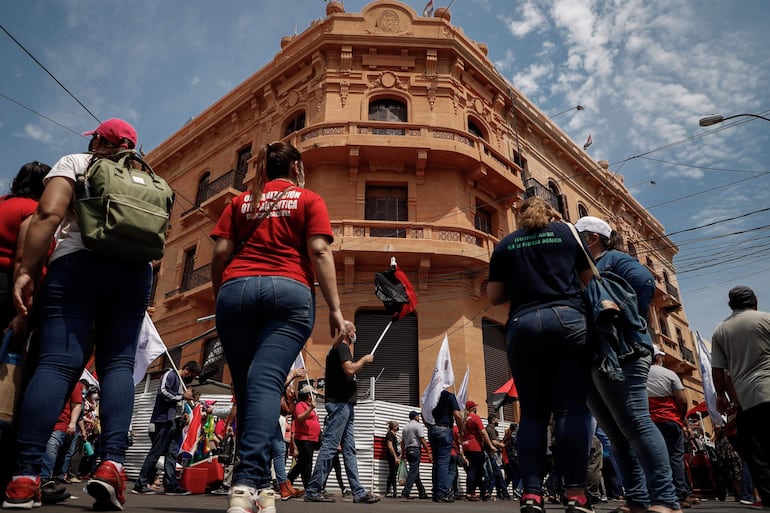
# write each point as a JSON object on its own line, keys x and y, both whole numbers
{"x": 115, "y": 130}
{"x": 470, "y": 404}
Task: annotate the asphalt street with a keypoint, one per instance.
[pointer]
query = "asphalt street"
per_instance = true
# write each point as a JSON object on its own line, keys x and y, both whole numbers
{"x": 81, "y": 501}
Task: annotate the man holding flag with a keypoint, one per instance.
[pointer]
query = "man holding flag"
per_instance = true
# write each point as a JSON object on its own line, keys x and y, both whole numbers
{"x": 440, "y": 409}
{"x": 165, "y": 431}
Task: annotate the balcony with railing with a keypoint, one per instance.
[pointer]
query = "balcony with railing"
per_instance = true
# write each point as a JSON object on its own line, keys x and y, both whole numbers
{"x": 194, "y": 284}
{"x": 533, "y": 188}
{"x": 218, "y": 194}
{"x": 447, "y": 146}
{"x": 409, "y": 237}
{"x": 666, "y": 295}
{"x": 687, "y": 353}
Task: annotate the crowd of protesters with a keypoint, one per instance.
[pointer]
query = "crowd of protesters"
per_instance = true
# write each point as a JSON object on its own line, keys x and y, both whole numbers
{"x": 586, "y": 404}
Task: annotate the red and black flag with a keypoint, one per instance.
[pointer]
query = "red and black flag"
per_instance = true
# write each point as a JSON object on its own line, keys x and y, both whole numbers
{"x": 506, "y": 394}
{"x": 392, "y": 287}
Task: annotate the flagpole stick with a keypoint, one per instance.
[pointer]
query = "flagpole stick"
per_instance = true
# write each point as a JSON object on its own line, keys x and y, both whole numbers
{"x": 381, "y": 336}
{"x": 173, "y": 366}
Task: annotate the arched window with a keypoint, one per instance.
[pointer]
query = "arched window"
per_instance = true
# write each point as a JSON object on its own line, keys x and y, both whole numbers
{"x": 295, "y": 124}
{"x": 582, "y": 210}
{"x": 388, "y": 109}
{"x": 203, "y": 188}
{"x": 559, "y": 200}
{"x": 475, "y": 130}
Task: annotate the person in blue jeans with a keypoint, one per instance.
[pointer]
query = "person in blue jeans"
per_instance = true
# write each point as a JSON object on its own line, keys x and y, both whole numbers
{"x": 621, "y": 407}
{"x": 86, "y": 300}
{"x": 540, "y": 269}
{"x": 440, "y": 435}
{"x": 272, "y": 245}
{"x": 341, "y": 393}
{"x": 165, "y": 430}
{"x": 413, "y": 442}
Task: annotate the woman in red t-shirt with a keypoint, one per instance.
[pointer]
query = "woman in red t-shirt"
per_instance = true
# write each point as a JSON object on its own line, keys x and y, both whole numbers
{"x": 306, "y": 433}
{"x": 475, "y": 438}
{"x": 272, "y": 245}
{"x": 15, "y": 211}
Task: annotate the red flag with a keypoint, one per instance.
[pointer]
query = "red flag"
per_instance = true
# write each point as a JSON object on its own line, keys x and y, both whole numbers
{"x": 588, "y": 143}
{"x": 191, "y": 432}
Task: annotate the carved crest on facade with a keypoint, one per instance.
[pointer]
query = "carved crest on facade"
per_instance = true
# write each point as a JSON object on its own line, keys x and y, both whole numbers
{"x": 388, "y": 22}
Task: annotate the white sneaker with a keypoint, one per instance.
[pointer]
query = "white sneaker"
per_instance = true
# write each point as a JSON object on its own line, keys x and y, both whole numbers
{"x": 242, "y": 500}
{"x": 266, "y": 501}
{"x": 245, "y": 500}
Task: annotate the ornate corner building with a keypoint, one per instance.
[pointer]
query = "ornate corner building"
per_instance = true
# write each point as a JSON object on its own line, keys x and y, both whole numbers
{"x": 421, "y": 150}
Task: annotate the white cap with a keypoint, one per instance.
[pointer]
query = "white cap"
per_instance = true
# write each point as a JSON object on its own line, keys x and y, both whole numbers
{"x": 307, "y": 388}
{"x": 593, "y": 225}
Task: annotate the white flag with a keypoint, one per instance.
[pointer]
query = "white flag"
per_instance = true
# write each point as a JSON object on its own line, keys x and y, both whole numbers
{"x": 148, "y": 347}
{"x": 462, "y": 393}
{"x": 86, "y": 375}
{"x": 443, "y": 376}
{"x": 704, "y": 357}
{"x": 299, "y": 362}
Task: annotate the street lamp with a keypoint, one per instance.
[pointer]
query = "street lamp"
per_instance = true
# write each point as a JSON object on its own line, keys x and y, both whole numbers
{"x": 576, "y": 107}
{"x": 718, "y": 118}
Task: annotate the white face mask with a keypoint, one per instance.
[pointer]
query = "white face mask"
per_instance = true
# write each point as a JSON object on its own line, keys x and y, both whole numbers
{"x": 300, "y": 174}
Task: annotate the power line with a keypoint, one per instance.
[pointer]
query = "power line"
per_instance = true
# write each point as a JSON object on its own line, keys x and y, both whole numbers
{"x": 41, "y": 115}
{"x": 49, "y": 73}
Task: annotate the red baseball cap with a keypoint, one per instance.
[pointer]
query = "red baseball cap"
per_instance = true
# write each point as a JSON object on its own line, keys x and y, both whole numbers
{"x": 115, "y": 130}
{"x": 470, "y": 404}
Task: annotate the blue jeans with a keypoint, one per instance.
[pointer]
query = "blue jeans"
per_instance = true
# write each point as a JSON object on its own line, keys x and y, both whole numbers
{"x": 278, "y": 450}
{"x": 550, "y": 362}
{"x": 263, "y": 322}
{"x": 52, "y": 449}
{"x": 440, "y": 438}
{"x": 672, "y": 434}
{"x": 165, "y": 442}
{"x": 85, "y": 300}
{"x": 339, "y": 431}
{"x": 413, "y": 477}
{"x": 622, "y": 409}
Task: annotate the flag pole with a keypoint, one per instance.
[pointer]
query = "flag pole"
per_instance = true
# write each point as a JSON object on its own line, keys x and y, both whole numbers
{"x": 381, "y": 336}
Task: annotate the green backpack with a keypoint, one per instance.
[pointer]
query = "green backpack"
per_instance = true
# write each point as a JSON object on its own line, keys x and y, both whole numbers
{"x": 123, "y": 212}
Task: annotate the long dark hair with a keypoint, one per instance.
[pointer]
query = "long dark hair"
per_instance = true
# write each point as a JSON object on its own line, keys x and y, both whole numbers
{"x": 274, "y": 161}
{"x": 29, "y": 180}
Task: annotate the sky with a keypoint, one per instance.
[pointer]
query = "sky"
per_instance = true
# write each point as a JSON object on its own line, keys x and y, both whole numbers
{"x": 644, "y": 71}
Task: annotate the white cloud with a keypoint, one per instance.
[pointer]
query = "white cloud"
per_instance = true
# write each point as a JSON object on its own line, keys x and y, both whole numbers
{"x": 37, "y": 134}
{"x": 531, "y": 19}
{"x": 195, "y": 81}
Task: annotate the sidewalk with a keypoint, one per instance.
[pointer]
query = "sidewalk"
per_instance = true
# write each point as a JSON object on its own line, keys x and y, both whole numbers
{"x": 217, "y": 504}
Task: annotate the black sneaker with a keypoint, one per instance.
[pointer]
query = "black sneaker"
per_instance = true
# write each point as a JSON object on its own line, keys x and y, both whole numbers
{"x": 575, "y": 506}
{"x": 222, "y": 490}
{"x": 317, "y": 497}
{"x": 177, "y": 491}
{"x": 369, "y": 498}
{"x": 52, "y": 492}
{"x": 143, "y": 490}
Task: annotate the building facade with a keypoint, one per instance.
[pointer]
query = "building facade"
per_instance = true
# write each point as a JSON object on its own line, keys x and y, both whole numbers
{"x": 421, "y": 150}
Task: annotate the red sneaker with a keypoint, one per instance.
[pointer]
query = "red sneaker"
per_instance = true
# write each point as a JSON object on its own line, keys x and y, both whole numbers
{"x": 23, "y": 493}
{"x": 107, "y": 487}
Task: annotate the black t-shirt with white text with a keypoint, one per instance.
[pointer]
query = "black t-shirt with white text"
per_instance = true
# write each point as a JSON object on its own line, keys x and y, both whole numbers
{"x": 540, "y": 268}
{"x": 340, "y": 388}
